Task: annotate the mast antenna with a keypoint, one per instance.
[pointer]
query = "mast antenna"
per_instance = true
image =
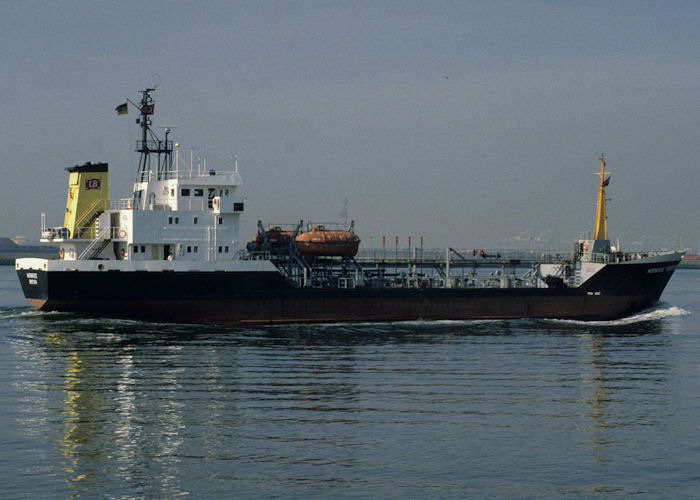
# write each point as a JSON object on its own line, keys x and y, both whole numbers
{"x": 601, "y": 230}
{"x": 150, "y": 145}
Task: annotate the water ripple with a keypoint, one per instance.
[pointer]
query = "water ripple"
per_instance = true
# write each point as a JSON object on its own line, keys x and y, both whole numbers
{"x": 517, "y": 408}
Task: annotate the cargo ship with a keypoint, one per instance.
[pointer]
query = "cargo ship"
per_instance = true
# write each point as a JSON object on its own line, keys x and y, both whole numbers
{"x": 171, "y": 252}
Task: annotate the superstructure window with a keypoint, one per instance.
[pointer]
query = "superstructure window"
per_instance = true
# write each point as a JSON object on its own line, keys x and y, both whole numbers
{"x": 221, "y": 220}
{"x": 170, "y": 220}
{"x": 185, "y": 192}
{"x": 196, "y": 220}
{"x": 212, "y": 194}
{"x": 238, "y": 207}
{"x": 199, "y": 192}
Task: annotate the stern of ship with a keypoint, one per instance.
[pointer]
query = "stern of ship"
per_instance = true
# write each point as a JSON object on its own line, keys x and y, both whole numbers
{"x": 33, "y": 277}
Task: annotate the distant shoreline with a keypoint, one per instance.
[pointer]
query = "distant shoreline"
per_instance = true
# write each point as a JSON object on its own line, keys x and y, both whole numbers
{"x": 9, "y": 251}
{"x": 8, "y": 259}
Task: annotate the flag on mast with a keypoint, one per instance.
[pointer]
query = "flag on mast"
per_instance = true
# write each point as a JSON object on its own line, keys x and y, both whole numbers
{"x": 122, "y": 109}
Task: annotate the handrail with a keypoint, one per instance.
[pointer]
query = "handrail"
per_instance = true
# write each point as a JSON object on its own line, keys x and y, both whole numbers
{"x": 90, "y": 211}
{"x": 99, "y": 238}
{"x": 121, "y": 204}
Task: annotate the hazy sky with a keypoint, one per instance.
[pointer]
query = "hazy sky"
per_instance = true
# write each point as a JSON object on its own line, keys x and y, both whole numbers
{"x": 469, "y": 123}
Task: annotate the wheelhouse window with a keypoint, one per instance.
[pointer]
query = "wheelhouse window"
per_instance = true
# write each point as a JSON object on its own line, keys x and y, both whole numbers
{"x": 185, "y": 192}
{"x": 199, "y": 192}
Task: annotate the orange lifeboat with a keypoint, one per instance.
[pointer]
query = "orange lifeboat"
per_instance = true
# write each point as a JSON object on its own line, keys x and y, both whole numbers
{"x": 322, "y": 242}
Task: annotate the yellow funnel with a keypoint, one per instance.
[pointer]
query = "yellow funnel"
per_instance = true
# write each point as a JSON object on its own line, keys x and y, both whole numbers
{"x": 88, "y": 192}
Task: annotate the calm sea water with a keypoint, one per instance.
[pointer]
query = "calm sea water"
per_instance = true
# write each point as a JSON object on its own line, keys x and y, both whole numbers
{"x": 121, "y": 409}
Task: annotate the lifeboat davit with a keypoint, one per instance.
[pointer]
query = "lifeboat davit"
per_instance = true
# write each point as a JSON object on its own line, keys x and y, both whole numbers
{"x": 322, "y": 242}
{"x": 275, "y": 236}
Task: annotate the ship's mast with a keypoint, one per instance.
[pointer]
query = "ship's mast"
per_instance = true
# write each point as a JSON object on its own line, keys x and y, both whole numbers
{"x": 601, "y": 229}
{"x": 150, "y": 144}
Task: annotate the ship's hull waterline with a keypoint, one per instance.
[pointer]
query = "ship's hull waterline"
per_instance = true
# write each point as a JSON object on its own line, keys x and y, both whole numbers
{"x": 266, "y": 298}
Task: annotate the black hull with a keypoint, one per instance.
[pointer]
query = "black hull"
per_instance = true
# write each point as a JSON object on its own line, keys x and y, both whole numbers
{"x": 243, "y": 298}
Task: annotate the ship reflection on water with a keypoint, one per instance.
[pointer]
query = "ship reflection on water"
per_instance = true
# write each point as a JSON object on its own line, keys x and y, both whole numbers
{"x": 138, "y": 409}
{"x": 598, "y": 395}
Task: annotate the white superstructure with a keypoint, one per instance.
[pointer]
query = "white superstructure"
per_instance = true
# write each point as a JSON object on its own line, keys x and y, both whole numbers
{"x": 178, "y": 212}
